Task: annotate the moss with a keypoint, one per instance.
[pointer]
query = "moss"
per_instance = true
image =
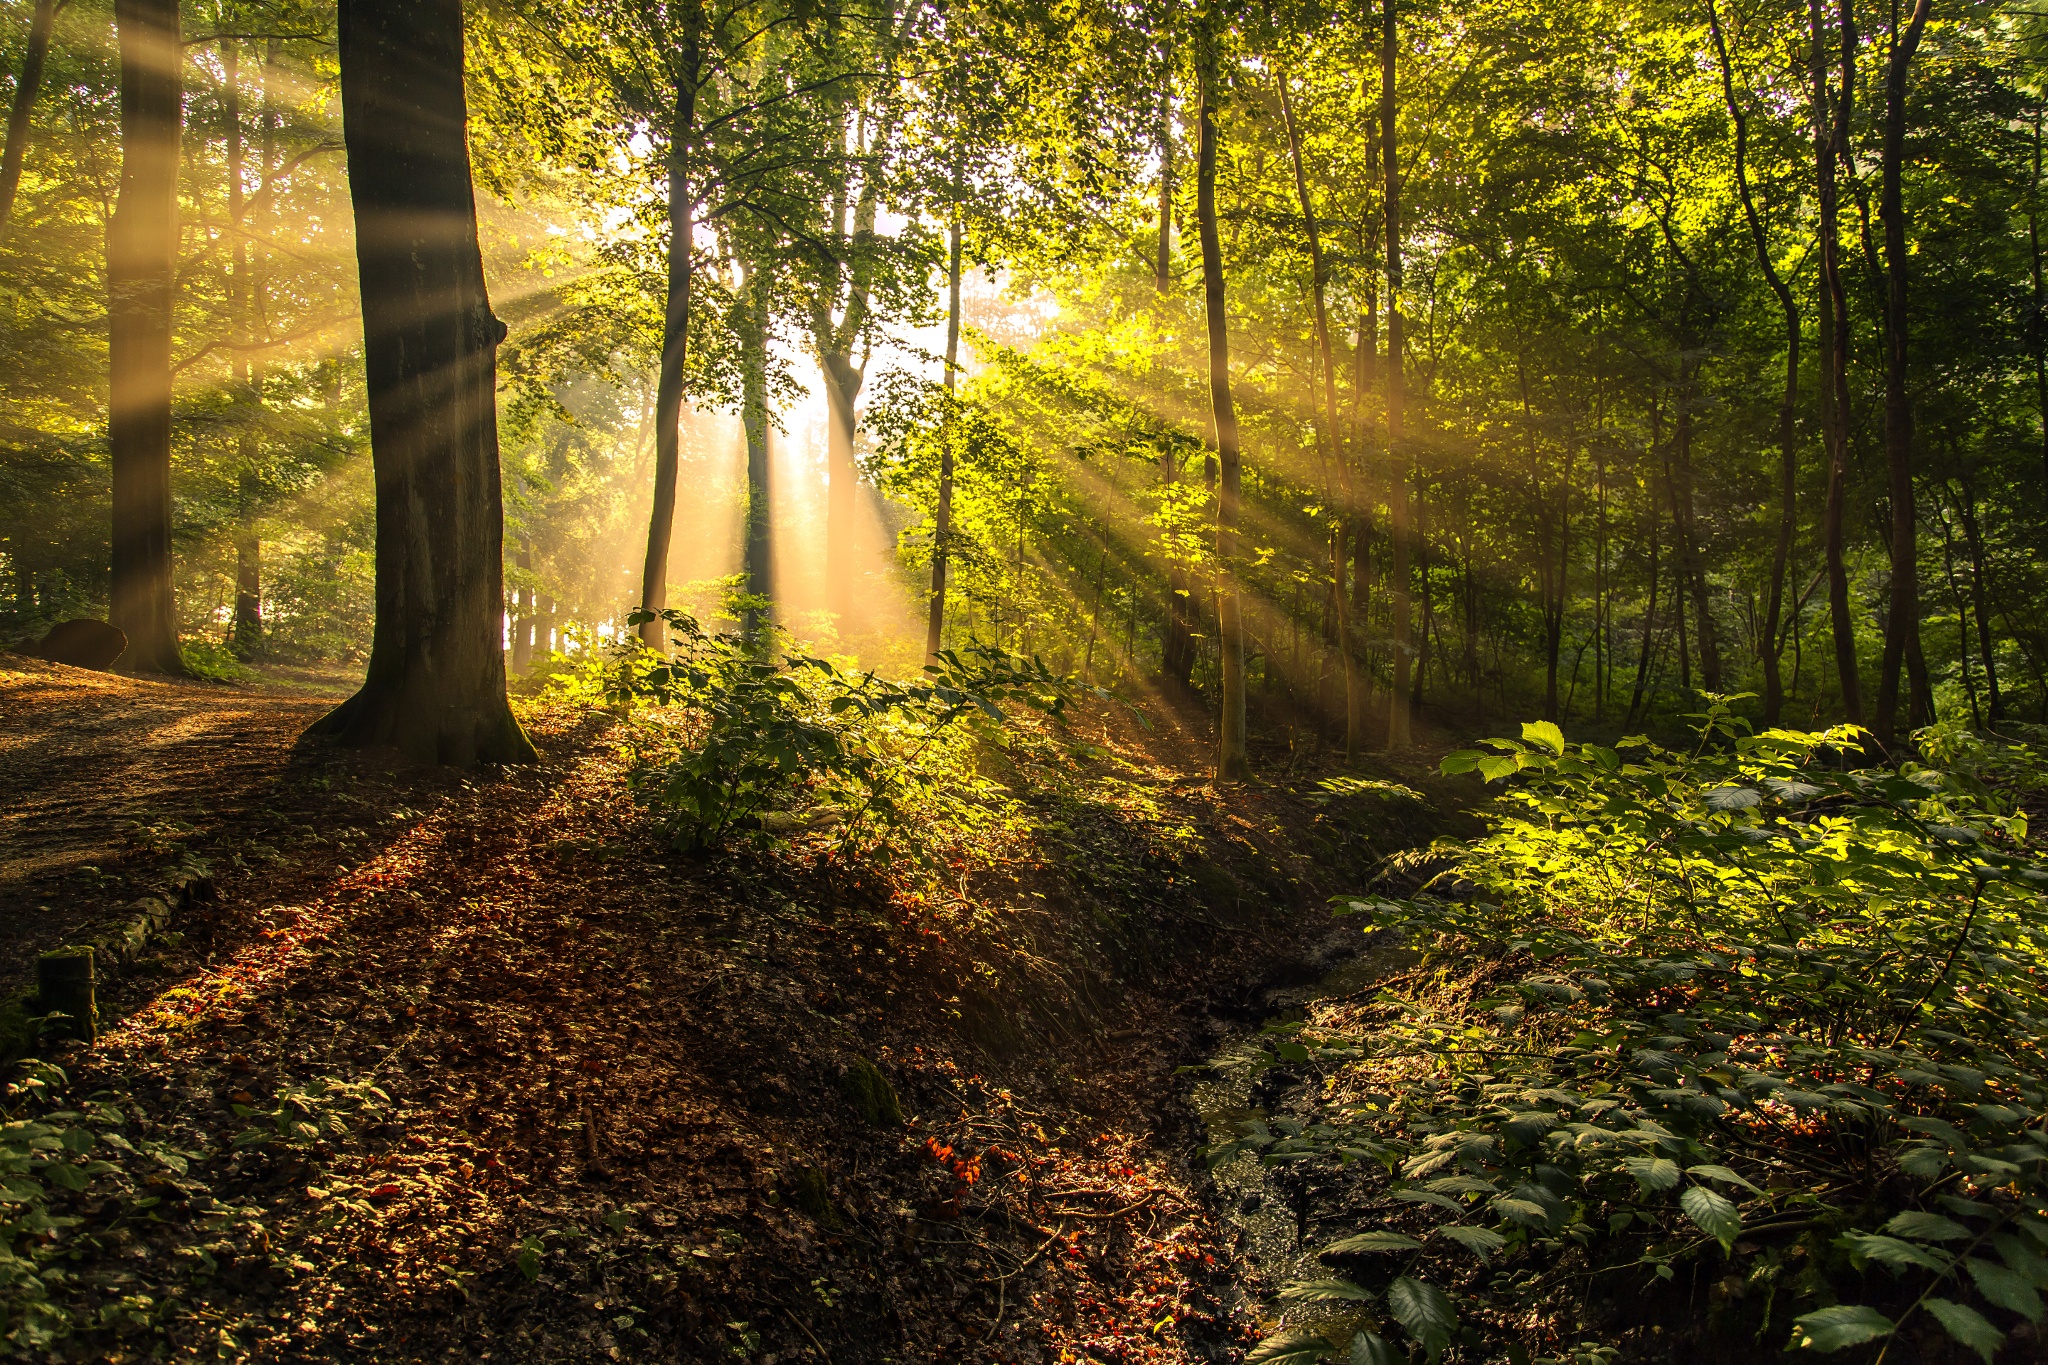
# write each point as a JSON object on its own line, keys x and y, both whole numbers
{"x": 811, "y": 1196}
{"x": 871, "y": 1095}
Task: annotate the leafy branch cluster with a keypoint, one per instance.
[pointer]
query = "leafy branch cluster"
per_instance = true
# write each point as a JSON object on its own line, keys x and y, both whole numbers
{"x": 1743, "y": 1012}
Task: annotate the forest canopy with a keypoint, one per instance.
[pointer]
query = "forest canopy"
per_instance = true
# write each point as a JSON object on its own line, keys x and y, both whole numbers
{"x": 1320, "y": 363}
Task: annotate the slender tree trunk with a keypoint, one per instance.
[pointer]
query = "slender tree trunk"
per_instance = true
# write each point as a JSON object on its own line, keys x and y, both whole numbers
{"x": 522, "y": 612}
{"x": 1973, "y": 536}
{"x": 1902, "y": 619}
{"x": 1831, "y": 135}
{"x": 1692, "y": 563}
{"x": 758, "y": 555}
{"x": 1233, "y": 760}
{"x": 1401, "y": 625}
{"x": 675, "y": 342}
{"x": 1162, "y": 266}
{"x": 142, "y": 245}
{"x": 1354, "y": 736}
{"x": 1422, "y": 585}
{"x": 942, "y": 524}
{"x": 1788, "y": 448}
{"x": 247, "y": 636}
{"x": 1635, "y": 703}
{"x": 435, "y": 688}
{"x": 18, "y": 117}
{"x": 2037, "y": 321}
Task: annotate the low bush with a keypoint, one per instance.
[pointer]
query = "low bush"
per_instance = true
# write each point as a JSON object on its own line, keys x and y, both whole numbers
{"x": 1743, "y": 1012}
{"x": 752, "y": 744}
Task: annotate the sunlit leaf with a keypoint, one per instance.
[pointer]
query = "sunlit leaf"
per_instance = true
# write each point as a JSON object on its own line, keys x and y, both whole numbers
{"x": 1839, "y": 1327}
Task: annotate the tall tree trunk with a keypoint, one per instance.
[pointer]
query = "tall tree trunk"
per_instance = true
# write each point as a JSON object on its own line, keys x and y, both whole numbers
{"x": 1831, "y": 134}
{"x": 758, "y": 555}
{"x": 435, "y": 688}
{"x": 1354, "y": 737}
{"x": 25, "y": 91}
{"x": 1788, "y": 448}
{"x": 522, "y": 611}
{"x": 2037, "y": 321}
{"x": 1902, "y": 619}
{"x": 942, "y": 522}
{"x": 247, "y": 636}
{"x": 1233, "y": 760}
{"x": 1162, "y": 265}
{"x": 1400, "y": 625}
{"x": 1636, "y": 698}
{"x": 142, "y": 242}
{"x": 675, "y": 341}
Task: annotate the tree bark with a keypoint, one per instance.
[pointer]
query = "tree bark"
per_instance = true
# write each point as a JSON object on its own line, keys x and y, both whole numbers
{"x": 1400, "y": 625}
{"x": 1788, "y": 406}
{"x": 1233, "y": 760}
{"x": 142, "y": 243}
{"x": 1830, "y": 143}
{"x": 1354, "y": 739}
{"x": 759, "y": 552}
{"x": 1162, "y": 265}
{"x": 25, "y": 91}
{"x": 675, "y": 342}
{"x": 1902, "y": 619}
{"x": 435, "y": 688}
{"x": 942, "y": 521}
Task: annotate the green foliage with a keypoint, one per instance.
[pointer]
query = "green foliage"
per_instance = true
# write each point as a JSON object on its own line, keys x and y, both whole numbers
{"x": 213, "y": 660}
{"x": 1741, "y": 1002}
{"x": 752, "y": 736}
{"x": 301, "y": 1115}
{"x": 43, "y": 1159}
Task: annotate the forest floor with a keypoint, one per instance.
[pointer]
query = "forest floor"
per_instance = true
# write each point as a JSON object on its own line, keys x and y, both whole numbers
{"x": 568, "y": 1096}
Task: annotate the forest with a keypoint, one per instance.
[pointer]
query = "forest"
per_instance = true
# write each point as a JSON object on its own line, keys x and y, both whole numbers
{"x": 1023, "y": 681}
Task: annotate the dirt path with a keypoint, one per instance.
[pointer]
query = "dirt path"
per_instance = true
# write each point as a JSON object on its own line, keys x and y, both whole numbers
{"x": 104, "y": 779}
{"x": 617, "y": 1109}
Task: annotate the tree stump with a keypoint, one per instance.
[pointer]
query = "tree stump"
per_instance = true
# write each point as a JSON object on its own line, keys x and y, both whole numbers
{"x": 64, "y": 985}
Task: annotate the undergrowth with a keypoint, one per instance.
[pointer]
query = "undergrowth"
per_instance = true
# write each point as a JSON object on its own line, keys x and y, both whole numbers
{"x": 1745, "y": 1014}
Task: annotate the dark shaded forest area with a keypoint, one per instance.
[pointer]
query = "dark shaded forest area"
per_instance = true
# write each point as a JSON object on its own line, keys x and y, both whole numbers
{"x": 754, "y": 680}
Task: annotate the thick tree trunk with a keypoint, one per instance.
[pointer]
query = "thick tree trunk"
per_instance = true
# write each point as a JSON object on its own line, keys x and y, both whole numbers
{"x": 142, "y": 243}
{"x": 1162, "y": 264}
{"x": 1400, "y": 626}
{"x": 26, "y": 89}
{"x": 1788, "y": 406}
{"x": 247, "y": 637}
{"x": 675, "y": 347}
{"x": 1902, "y": 619}
{"x": 842, "y": 393}
{"x": 942, "y": 521}
{"x": 1233, "y": 760}
{"x": 435, "y": 689}
{"x": 1830, "y": 137}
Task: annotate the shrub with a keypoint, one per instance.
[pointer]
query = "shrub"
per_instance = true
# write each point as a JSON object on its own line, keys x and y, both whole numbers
{"x": 752, "y": 735}
{"x": 1734, "y": 1006}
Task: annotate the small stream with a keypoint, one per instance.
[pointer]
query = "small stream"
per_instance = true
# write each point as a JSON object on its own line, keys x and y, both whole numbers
{"x": 1270, "y": 1206}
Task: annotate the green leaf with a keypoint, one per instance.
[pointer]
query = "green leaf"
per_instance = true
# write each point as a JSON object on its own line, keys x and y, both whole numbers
{"x": 1652, "y": 1172}
{"x": 1369, "y": 1348}
{"x": 1891, "y": 1251}
{"x": 1422, "y": 1308}
{"x": 1714, "y": 1214}
{"x": 2005, "y": 1288}
{"x": 1733, "y": 798}
{"x": 1523, "y": 1211}
{"x": 1968, "y": 1326}
{"x": 1493, "y": 769}
{"x": 1324, "y": 1291}
{"x": 65, "y": 1174}
{"x": 1369, "y": 1242}
{"x": 528, "y": 1259}
{"x": 1926, "y": 1227}
{"x": 1289, "y": 1348}
{"x": 1844, "y": 1325}
{"x": 1545, "y": 733}
{"x": 1722, "y": 1174}
{"x": 1481, "y": 1242}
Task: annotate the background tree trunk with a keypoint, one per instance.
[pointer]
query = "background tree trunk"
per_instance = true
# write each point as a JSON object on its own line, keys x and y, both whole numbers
{"x": 942, "y": 522}
{"x": 760, "y": 547}
{"x": 1902, "y": 619}
{"x": 436, "y": 683}
{"x": 142, "y": 242}
{"x": 1830, "y": 138}
{"x": 675, "y": 346}
{"x": 1233, "y": 761}
{"x": 1401, "y": 628}
{"x": 25, "y": 91}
